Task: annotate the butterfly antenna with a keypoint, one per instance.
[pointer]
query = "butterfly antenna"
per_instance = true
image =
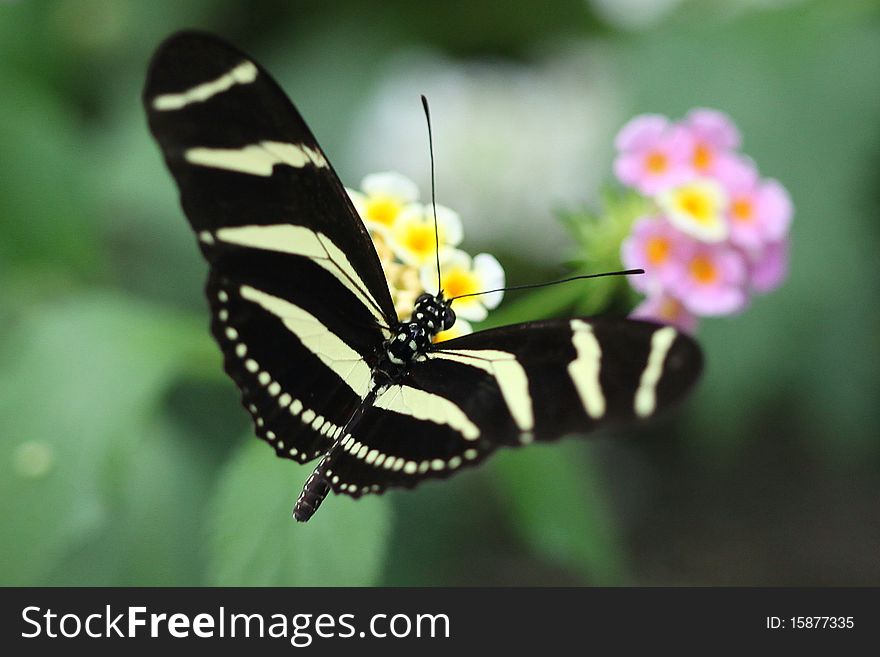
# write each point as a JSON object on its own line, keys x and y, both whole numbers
{"x": 433, "y": 192}
{"x": 627, "y": 272}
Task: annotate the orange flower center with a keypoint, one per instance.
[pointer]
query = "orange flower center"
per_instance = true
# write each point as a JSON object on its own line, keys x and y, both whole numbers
{"x": 670, "y": 309}
{"x": 702, "y": 159}
{"x": 703, "y": 270}
{"x": 741, "y": 209}
{"x": 383, "y": 210}
{"x": 656, "y": 162}
{"x": 657, "y": 250}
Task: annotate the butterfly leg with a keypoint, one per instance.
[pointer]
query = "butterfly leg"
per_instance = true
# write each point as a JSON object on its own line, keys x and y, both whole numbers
{"x": 317, "y": 486}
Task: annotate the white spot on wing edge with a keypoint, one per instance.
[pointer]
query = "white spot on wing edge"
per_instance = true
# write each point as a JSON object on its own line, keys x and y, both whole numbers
{"x": 244, "y": 73}
{"x": 423, "y": 405}
{"x": 646, "y": 394}
{"x": 584, "y": 369}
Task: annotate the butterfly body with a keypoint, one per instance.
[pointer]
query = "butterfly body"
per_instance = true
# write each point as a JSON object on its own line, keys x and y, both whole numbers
{"x": 303, "y": 315}
{"x": 413, "y": 338}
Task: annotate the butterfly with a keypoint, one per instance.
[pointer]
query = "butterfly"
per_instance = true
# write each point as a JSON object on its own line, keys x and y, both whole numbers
{"x": 303, "y": 315}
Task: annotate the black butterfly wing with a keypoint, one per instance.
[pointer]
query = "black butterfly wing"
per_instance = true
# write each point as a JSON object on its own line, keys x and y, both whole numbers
{"x": 511, "y": 386}
{"x": 299, "y": 301}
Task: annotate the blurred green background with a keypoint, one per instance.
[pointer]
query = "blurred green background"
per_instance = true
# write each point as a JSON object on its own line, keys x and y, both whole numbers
{"x": 125, "y": 458}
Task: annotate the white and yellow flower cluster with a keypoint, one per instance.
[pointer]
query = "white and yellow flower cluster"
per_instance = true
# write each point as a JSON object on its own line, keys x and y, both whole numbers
{"x": 402, "y": 229}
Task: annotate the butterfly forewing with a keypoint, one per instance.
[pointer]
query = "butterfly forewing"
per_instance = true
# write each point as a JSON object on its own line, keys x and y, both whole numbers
{"x": 250, "y": 173}
{"x": 296, "y": 290}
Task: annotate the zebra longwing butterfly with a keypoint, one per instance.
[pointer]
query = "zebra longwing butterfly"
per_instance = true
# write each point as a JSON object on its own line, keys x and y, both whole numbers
{"x": 302, "y": 312}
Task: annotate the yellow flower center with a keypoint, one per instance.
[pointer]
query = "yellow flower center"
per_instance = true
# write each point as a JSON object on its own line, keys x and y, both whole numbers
{"x": 702, "y": 158}
{"x": 698, "y": 205}
{"x": 457, "y": 282}
{"x": 703, "y": 270}
{"x": 656, "y": 162}
{"x": 382, "y": 210}
{"x": 741, "y": 210}
{"x": 419, "y": 239}
{"x": 657, "y": 250}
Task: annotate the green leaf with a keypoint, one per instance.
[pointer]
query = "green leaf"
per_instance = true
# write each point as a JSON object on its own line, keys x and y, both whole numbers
{"x": 254, "y": 541}
{"x": 47, "y": 200}
{"x": 153, "y": 519}
{"x": 80, "y": 381}
{"x": 599, "y": 234}
{"x": 557, "y": 504}
{"x": 541, "y": 304}
{"x": 598, "y": 237}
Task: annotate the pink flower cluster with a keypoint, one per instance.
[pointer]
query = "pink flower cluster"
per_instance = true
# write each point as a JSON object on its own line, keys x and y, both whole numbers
{"x": 718, "y": 232}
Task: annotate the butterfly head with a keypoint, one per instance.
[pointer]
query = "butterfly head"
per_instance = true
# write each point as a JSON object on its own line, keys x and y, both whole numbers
{"x": 434, "y": 312}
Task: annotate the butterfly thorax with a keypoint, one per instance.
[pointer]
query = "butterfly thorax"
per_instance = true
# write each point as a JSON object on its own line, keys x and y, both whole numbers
{"x": 412, "y": 339}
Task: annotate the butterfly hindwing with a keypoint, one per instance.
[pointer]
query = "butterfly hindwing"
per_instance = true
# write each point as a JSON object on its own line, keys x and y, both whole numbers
{"x": 582, "y": 373}
{"x": 300, "y": 401}
{"x": 511, "y": 386}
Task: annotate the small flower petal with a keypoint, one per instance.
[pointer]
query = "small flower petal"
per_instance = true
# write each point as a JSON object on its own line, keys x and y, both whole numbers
{"x": 641, "y": 132}
{"x": 463, "y": 275}
{"x": 714, "y": 280}
{"x": 714, "y": 127}
{"x": 413, "y": 239}
{"x": 460, "y": 328}
{"x": 760, "y": 211}
{"x": 776, "y": 208}
{"x": 491, "y": 275}
{"x": 666, "y": 309}
{"x": 383, "y": 198}
{"x": 769, "y": 268}
{"x": 655, "y": 246}
{"x": 390, "y": 183}
{"x": 457, "y": 278}
{"x": 652, "y": 154}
